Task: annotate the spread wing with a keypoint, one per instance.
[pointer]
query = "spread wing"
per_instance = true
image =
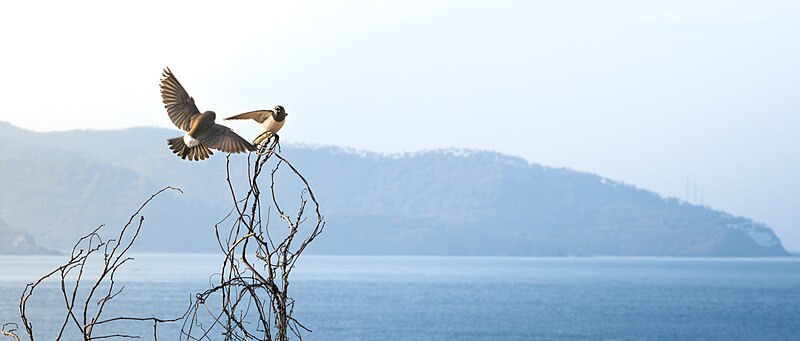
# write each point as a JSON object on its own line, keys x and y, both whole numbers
{"x": 180, "y": 106}
{"x": 223, "y": 138}
{"x": 258, "y": 115}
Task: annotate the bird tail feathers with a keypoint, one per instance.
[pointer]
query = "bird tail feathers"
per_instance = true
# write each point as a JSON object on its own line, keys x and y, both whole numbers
{"x": 196, "y": 153}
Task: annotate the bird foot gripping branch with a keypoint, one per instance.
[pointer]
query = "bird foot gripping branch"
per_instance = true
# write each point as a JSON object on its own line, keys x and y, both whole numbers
{"x": 266, "y": 143}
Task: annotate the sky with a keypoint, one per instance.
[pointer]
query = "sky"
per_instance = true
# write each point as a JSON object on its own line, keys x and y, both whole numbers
{"x": 697, "y": 97}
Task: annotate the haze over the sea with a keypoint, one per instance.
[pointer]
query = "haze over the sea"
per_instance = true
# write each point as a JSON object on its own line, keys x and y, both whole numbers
{"x": 692, "y": 99}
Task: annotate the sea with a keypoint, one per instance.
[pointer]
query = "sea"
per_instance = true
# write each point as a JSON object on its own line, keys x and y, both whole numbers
{"x": 462, "y": 298}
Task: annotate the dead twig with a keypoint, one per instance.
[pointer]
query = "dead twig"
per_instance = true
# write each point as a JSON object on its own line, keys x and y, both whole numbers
{"x": 253, "y": 286}
{"x": 85, "y": 312}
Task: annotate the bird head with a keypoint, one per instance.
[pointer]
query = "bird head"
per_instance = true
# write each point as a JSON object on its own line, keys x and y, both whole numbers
{"x": 211, "y": 114}
{"x": 280, "y": 113}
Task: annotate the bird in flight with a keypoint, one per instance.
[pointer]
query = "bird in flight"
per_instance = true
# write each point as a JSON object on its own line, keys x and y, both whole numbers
{"x": 270, "y": 120}
{"x": 202, "y": 134}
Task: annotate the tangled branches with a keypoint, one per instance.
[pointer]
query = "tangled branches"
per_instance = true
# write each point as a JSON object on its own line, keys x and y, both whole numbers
{"x": 249, "y": 301}
{"x": 85, "y": 300}
{"x": 253, "y": 285}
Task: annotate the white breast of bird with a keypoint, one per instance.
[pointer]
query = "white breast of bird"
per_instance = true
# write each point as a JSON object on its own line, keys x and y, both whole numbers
{"x": 271, "y": 125}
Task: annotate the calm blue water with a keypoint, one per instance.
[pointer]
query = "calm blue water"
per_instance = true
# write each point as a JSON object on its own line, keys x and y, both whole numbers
{"x": 461, "y": 298}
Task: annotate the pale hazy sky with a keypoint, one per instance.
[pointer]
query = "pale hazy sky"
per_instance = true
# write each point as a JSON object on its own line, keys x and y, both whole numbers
{"x": 646, "y": 92}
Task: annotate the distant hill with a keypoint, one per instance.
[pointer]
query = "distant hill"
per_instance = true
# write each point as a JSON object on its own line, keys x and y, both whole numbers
{"x": 16, "y": 242}
{"x": 57, "y": 186}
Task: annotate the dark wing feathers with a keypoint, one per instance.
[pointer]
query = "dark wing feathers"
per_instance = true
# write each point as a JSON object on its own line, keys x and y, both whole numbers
{"x": 182, "y": 111}
{"x": 223, "y": 138}
{"x": 180, "y": 106}
{"x": 258, "y": 115}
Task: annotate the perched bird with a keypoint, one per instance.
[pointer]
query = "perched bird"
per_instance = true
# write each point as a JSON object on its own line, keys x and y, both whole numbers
{"x": 201, "y": 131}
{"x": 271, "y": 121}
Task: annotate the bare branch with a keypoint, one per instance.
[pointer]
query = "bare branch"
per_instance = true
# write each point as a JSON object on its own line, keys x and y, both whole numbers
{"x": 114, "y": 257}
{"x": 254, "y": 278}
{"x": 251, "y": 288}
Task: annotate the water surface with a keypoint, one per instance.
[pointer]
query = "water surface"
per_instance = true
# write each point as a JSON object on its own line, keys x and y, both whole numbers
{"x": 466, "y": 298}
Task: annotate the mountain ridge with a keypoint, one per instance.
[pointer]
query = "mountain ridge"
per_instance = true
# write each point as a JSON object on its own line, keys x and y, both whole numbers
{"x": 449, "y": 202}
